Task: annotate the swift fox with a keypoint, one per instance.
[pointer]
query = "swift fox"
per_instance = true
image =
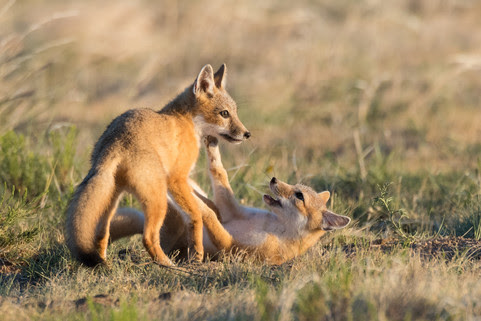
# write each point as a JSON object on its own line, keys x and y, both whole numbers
{"x": 297, "y": 220}
{"x": 151, "y": 154}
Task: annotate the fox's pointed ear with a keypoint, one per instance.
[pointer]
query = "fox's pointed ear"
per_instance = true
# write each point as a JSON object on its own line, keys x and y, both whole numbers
{"x": 220, "y": 76}
{"x": 204, "y": 82}
{"x": 333, "y": 221}
{"x": 324, "y": 196}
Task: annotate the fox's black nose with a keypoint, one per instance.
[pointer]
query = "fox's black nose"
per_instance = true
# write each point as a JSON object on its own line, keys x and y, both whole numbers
{"x": 274, "y": 180}
{"x": 247, "y": 135}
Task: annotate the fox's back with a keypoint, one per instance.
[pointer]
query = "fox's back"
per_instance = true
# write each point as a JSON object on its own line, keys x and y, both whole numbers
{"x": 144, "y": 132}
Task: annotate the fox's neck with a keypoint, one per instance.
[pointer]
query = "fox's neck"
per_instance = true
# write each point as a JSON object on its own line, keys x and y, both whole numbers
{"x": 184, "y": 104}
{"x": 294, "y": 228}
{"x": 309, "y": 240}
{"x": 294, "y": 247}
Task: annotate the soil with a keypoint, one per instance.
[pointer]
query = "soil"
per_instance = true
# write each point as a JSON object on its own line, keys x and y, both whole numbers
{"x": 446, "y": 247}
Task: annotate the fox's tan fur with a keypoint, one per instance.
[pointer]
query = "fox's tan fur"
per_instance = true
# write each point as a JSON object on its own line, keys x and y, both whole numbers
{"x": 151, "y": 154}
{"x": 288, "y": 230}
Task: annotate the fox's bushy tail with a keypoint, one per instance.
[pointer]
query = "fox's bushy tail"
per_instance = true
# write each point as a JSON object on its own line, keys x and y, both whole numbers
{"x": 91, "y": 203}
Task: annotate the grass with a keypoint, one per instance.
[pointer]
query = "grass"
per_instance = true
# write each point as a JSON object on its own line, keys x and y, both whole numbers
{"x": 361, "y": 98}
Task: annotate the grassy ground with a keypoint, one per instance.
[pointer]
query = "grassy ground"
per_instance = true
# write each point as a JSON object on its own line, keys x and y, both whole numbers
{"x": 375, "y": 101}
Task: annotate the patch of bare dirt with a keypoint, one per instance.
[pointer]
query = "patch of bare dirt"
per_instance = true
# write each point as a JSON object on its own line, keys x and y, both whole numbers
{"x": 447, "y": 247}
{"x": 100, "y": 299}
{"x": 7, "y": 267}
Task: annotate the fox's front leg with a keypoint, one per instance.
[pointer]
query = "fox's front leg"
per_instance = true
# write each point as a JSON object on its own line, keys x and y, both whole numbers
{"x": 224, "y": 197}
{"x": 182, "y": 194}
{"x": 221, "y": 238}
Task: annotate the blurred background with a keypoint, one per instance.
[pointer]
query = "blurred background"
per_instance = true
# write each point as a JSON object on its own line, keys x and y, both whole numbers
{"x": 322, "y": 85}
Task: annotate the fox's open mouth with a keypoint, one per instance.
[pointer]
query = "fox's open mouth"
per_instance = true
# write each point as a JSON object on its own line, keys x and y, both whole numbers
{"x": 231, "y": 139}
{"x": 269, "y": 200}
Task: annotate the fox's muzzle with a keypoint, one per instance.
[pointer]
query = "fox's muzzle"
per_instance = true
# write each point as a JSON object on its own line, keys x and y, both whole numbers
{"x": 237, "y": 131}
{"x": 280, "y": 189}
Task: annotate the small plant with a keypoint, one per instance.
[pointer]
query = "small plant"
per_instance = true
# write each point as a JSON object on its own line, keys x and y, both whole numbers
{"x": 393, "y": 216}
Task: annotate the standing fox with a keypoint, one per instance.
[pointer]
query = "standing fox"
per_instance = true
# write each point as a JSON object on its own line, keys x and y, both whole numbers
{"x": 297, "y": 219}
{"x": 149, "y": 154}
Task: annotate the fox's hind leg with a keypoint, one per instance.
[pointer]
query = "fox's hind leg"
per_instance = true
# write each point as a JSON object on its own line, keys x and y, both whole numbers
{"x": 102, "y": 232}
{"x": 155, "y": 211}
{"x": 150, "y": 188}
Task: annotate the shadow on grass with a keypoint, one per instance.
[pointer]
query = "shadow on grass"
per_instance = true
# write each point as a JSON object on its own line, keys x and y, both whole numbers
{"x": 33, "y": 271}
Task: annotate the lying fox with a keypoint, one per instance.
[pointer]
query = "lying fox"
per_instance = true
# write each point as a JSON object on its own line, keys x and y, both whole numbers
{"x": 149, "y": 154}
{"x": 297, "y": 220}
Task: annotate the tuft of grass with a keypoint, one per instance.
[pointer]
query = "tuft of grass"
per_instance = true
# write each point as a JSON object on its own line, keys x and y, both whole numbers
{"x": 16, "y": 211}
{"x": 127, "y": 311}
{"x": 63, "y": 140}
{"x": 21, "y": 167}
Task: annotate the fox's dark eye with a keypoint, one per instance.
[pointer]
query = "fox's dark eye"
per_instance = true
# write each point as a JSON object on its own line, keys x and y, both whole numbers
{"x": 299, "y": 195}
{"x": 224, "y": 113}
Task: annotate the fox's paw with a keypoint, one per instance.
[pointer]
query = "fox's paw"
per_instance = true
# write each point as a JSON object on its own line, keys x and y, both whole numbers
{"x": 195, "y": 257}
{"x": 210, "y": 141}
{"x": 195, "y": 253}
{"x": 164, "y": 262}
{"x": 199, "y": 256}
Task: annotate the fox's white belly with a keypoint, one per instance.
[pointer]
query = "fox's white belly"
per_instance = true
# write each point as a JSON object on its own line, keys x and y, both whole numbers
{"x": 251, "y": 230}
{"x": 241, "y": 231}
{"x": 247, "y": 232}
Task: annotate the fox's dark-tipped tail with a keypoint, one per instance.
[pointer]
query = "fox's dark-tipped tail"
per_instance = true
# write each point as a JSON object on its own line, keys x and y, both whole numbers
{"x": 89, "y": 259}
